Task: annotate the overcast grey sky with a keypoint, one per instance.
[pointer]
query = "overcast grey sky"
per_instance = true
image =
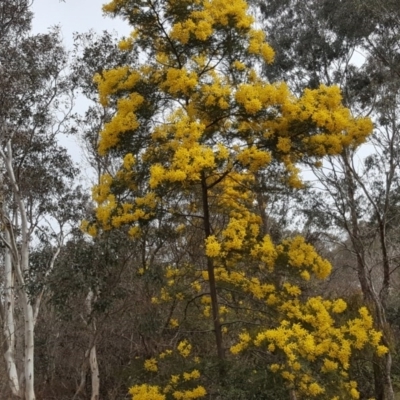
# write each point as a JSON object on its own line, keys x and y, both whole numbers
{"x": 74, "y": 16}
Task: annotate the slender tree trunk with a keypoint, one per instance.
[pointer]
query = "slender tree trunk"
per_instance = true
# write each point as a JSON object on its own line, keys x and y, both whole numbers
{"x": 21, "y": 267}
{"x": 94, "y": 366}
{"x": 29, "y": 315}
{"x": 292, "y": 394}
{"x": 262, "y": 206}
{"x": 94, "y": 369}
{"x": 9, "y": 322}
{"x": 29, "y": 348}
{"x": 90, "y": 360}
{"x": 82, "y": 382}
{"x": 9, "y": 302}
{"x": 211, "y": 273}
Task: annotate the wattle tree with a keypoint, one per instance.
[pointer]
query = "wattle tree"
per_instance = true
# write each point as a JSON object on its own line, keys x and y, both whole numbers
{"x": 195, "y": 127}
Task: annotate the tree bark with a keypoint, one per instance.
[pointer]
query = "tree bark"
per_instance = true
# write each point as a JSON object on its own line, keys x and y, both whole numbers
{"x": 211, "y": 274}
{"x": 94, "y": 369}
{"x": 94, "y": 366}
{"x": 29, "y": 348}
{"x": 20, "y": 264}
{"x": 9, "y": 322}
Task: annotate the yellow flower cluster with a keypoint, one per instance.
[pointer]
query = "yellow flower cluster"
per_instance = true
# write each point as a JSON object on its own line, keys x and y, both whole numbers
{"x": 265, "y": 252}
{"x": 303, "y": 256}
{"x": 195, "y": 393}
{"x": 146, "y": 392}
{"x": 200, "y": 24}
{"x": 213, "y": 248}
{"x": 308, "y": 333}
{"x": 89, "y": 228}
{"x": 195, "y": 374}
{"x": 179, "y": 81}
{"x": 124, "y": 121}
{"x": 151, "y": 365}
{"x": 165, "y": 353}
{"x": 323, "y": 341}
{"x": 216, "y": 93}
{"x": 189, "y": 157}
{"x": 257, "y": 45}
{"x": 115, "y": 80}
{"x": 254, "y": 158}
{"x": 184, "y": 348}
{"x": 171, "y": 390}
{"x": 228, "y": 129}
{"x": 244, "y": 342}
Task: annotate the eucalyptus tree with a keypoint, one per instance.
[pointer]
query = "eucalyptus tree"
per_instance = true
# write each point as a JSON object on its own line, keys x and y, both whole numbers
{"x": 97, "y": 265}
{"x": 38, "y": 198}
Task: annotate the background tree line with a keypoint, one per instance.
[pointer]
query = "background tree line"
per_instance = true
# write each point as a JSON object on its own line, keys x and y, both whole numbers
{"x": 83, "y": 315}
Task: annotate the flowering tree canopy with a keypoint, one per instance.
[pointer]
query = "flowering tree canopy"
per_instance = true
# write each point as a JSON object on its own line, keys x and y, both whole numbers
{"x": 194, "y": 128}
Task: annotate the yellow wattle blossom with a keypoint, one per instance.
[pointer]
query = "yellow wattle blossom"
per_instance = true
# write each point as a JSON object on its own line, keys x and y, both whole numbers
{"x": 244, "y": 341}
{"x": 124, "y": 121}
{"x": 301, "y": 254}
{"x": 329, "y": 365}
{"x": 129, "y": 161}
{"x": 151, "y": 365}
{"x": 284, "y": 144}
{"x": 164, "y": 354}
{"x": 89, "y": 228}
{"x": 305, "y": 275}
{"x": 111, "y": 81}
{"x": 310, "y": 334}
{"x": 257, "y": 45}
{"x": 381, "y": 350}
{"x": 275, "y": 367}
{"x": 173, "y": 322}
{"x": 196, "y": 393}
{"x": 174, "y": 379}
{"x": 213, "y": 248}
{"x": 292, "y": 289}
{"x": 315, "y": 389}
{"x": 239, "y": 65}
{"x": 126, "y": 44}
{"x": 339, "y": 306}
{"x": 207, "y": 311}
{"x": 223, "y": 310}
{"x": 195, "y": 374}
{"x": 184, "y": 348}
{"x": 254, "y": 158}
{"x": 266, "y": 251}
{"x": 134, "y": 232}
{"x": 146, "y": 392}
{"x": 180, "y": 81}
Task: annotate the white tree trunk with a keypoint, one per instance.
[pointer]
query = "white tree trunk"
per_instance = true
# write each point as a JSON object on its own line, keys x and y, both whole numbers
{"x": 94, "y": 369}
{"x": 9, "y": 322}
{"x": 29, "y": 320}
{"x": 20, "y": 264}
{"x": 16, "y": 237}
{"x": 94, "y": 366}
{"x": 29, "y": 348}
